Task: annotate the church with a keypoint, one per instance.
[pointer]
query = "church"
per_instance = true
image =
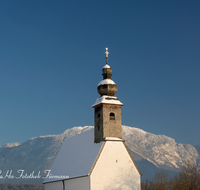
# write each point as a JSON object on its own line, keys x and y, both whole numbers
{"x": 97, "y": 159}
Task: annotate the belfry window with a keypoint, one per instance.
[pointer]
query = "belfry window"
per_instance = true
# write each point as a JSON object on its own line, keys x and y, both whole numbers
{"x": 112, "y": 116}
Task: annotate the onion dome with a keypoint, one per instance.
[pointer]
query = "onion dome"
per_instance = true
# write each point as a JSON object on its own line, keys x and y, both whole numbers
{"x": 107, "y": 86}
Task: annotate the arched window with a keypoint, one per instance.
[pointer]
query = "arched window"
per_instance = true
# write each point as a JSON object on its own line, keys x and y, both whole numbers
{"x": 112, "y": 116}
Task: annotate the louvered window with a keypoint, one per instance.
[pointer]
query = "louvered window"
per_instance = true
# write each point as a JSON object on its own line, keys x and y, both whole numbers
{"x": 112, "y": 116}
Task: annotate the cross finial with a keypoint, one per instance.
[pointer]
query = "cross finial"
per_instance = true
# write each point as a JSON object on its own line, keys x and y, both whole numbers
{"x": 106, "y": 55}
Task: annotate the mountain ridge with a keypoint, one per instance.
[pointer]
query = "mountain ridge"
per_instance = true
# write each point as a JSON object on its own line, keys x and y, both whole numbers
{"x": 151, "y": 152}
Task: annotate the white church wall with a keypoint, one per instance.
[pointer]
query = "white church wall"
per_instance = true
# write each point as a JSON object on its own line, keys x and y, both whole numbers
{"x": 54, "y": 186}
{"x": 82, "y": 183}
{"x": 115, "y": 170}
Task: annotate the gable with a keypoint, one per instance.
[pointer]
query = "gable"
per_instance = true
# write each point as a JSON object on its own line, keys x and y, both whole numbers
{"x": 115, "y": 168}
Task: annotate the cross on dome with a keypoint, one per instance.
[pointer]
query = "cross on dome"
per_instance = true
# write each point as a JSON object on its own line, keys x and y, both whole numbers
{"x": 107, "y": 53}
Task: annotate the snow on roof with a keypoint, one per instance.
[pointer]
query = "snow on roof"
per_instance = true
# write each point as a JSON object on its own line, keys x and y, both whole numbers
{"x": 106, "y": 81}
{"x": 113, "y": 139}
{"x": 107, "y": 100}
{"x": 75, "y": 158}
{"x": 106, "y": 66}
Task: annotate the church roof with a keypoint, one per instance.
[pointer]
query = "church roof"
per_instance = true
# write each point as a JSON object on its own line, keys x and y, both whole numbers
{"x": 107, "y": 100}
{"x": 75, "y": 158}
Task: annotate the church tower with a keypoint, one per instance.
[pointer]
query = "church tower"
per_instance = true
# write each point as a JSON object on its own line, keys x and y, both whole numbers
{"x": 107, "y": 108}
{"x": 99, "y": 159}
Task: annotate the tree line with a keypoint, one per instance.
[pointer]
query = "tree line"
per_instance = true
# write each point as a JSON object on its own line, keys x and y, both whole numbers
{"x": 21, "y": 186}
{"x": 187, "y": 179}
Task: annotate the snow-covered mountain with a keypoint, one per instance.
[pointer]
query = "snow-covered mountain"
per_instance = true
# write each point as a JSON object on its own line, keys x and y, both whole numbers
{"x": 151, "y": 153}
{"x": 160, "y": 150}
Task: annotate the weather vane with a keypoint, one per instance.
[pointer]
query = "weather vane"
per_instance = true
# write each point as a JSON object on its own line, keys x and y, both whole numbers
{"x": 106, "y": 55}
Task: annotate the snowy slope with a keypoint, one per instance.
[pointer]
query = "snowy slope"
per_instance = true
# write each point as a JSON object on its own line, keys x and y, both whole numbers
{"x": 151, "y": 153}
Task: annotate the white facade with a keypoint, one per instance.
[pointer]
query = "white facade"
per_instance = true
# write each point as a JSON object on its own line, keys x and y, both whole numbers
{"x": 115, "y": 169}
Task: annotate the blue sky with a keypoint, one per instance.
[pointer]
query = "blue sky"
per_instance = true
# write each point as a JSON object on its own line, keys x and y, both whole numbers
{"x": 52, "y": 53}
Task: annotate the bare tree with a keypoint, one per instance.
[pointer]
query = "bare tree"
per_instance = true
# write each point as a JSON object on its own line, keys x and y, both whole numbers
{"x": 160, "y": 181}
{"x": 189, "y": 178}
{"x": 146, "y": 185}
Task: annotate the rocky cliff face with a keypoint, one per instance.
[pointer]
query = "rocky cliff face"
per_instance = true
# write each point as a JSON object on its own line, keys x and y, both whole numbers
{"x": 160, "y": 150}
